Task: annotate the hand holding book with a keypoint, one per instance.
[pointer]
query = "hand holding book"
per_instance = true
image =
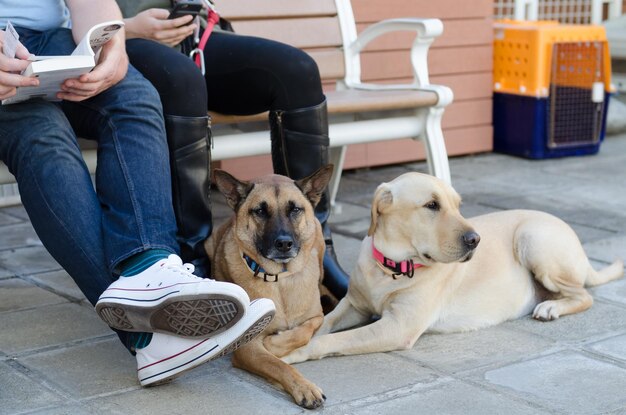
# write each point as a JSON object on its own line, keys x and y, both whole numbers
{"x": 110, "y": 69}
{"x": 12, "y": 63}
{"x": 68, "y": 77}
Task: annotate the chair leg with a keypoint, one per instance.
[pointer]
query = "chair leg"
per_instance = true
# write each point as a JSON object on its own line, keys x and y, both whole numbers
{"x": 435, "y": 146}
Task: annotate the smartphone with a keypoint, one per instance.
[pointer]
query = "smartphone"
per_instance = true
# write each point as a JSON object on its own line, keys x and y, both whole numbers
{"x": 186, "y": 7}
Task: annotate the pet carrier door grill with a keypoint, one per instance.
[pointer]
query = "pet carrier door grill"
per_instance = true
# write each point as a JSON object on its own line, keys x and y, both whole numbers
{"x": 576, "y": 103}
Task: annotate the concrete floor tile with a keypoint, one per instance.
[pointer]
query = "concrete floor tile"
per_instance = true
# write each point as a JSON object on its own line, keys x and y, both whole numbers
{"x": 16, "y": 294}
{"x": 70, "y": 409}
{"x": 448, "y": 398}
{"x": 348, "y": 212}
{"x": 614, "y": 347}
{"x": 567, "y": 381}
{"x": 20, "y": 393}
{"x": 347, "y": 378}
{"x": 608, "y": 249}
{"x": 48, "y": 326}
{"x": 5, "y": 273}
{"x": 28, "y": 260}
{"x": 59, "y": 281}
{"x": 347, "y": 250}
{"x": 457, "y": 352}
{"x": 87, "y": 370}
{"x": 17, "y": 236}
{"x": 222, "y": 394}
{"x": 599, "y": 320}
{"x": 613, "y": 291}
{"x": 16, "y": 211}
{"x": 8, "y": 219}
{"x": 357, "y": 228}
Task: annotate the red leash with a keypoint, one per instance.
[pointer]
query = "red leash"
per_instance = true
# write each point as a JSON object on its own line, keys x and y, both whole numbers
{"x": 212, "y": 19}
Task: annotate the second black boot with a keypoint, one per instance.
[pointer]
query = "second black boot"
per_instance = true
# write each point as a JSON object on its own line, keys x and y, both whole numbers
{"x": 300, "y": 147}
{"x": 190, "y": 161}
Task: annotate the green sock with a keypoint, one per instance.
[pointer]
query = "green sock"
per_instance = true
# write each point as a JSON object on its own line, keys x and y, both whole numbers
{"x": 142, "y": 261}
{"x": 140, "y": 340}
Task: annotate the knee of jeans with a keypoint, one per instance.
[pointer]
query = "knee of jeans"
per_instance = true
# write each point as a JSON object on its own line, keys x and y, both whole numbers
{"x": 43, "y": 134}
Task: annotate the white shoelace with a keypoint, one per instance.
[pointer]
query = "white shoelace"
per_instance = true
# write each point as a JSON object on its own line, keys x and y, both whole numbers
{"x": 176, "y": 265}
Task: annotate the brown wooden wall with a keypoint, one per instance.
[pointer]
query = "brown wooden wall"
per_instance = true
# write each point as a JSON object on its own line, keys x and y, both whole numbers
{"x": 461, "y": 58}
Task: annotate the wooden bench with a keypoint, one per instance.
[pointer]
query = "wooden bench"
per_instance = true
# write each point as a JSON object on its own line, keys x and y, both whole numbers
{"x": 358, "y": 112}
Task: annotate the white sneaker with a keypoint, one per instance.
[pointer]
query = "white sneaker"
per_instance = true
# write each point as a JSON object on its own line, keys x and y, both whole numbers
{"x": 168, "y": 298}
{"x": 167, "y": 357}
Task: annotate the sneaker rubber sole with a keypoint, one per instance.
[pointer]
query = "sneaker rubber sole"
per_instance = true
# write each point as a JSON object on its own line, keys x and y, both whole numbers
{"x": 182, "y": 316}
{"x": 189, "y": 362}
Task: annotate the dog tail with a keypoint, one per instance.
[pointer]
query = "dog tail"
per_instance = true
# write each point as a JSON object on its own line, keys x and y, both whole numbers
{"x": 610, "y": 273}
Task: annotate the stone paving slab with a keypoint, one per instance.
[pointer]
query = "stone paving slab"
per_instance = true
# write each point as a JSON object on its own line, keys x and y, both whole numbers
{"x": 8, "y": 219}
{"x": 449, "y": 397}
{"x": 58, "y": 282}
{"x": 615, "y": 347}
{"x": 224, "y": 393}
{"x": 16, "y": 294}
{"x": 566, "y": 381}
{"x": 29, "y": 330}
{"x": 18, "y": 235}
{"x": 608, "y": 249}
{"x": 348, "y": 378}
{"x": 87, "y": 370}
{"x": 28, "y": 260}
{"x": 5, "y": 273}
{"x": 614, "y": 291}
{"x": 601, "y": 319}
{"x": 19, "y": 393}
{"x": 458, "y": 352}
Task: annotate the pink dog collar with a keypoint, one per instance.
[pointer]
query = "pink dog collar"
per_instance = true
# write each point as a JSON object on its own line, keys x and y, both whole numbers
{"x": 406, "y": 267}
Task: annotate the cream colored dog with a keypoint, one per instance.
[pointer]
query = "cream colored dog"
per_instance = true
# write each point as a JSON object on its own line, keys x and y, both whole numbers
{"x": 420, "y": 269}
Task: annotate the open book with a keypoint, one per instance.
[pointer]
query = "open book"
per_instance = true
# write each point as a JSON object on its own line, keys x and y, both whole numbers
{"x": 53, "y": 70}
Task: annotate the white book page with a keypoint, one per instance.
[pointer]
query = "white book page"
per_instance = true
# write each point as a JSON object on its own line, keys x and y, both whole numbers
{"x": 96, "y": 37}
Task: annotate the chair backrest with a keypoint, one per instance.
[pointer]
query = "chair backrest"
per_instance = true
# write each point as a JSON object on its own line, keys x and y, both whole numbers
{"x": 320, "y": 27}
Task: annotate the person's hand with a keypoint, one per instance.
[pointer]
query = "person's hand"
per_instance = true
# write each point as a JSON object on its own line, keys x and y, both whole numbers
{"x": 111, "y": 69}
{"x": 10, "y": 70}
{"x": 153, "y": 24}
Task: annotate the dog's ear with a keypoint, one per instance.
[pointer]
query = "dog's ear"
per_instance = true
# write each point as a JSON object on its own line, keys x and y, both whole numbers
{"x": 313, "y": 186}
{"x": 383, "y": 198}
{"x": 235, "y": 191}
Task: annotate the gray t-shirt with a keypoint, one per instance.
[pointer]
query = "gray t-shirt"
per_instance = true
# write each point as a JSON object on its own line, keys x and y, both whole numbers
{"x": 34, "y": 14}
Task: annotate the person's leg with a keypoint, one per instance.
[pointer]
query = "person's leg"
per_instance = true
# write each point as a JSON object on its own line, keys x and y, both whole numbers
{"x": 132, "y": 204}
{"x": 249, "y": 75}
{"x": 182, "y": 90}
{"x": 39, "y": 147}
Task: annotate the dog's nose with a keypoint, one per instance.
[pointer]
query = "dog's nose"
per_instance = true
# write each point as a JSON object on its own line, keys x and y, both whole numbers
{"x": 471, "y": 239}
{"x": 283, "y": 243}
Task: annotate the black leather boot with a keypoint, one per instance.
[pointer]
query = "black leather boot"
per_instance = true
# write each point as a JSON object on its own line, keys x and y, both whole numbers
{"x": 190, "y": 157}
{"x": 299, "y": 148}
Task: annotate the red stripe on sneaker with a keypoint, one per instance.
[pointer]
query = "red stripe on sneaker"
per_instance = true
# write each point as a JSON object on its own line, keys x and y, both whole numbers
{"x": 152, "y": 289}
{"x": 173, "y": 356}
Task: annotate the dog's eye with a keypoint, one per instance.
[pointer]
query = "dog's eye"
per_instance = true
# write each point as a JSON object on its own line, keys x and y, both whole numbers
{"x": 261, "y": 211}
{"x": 432, "y": 205}
{"x": 294, "y": 210}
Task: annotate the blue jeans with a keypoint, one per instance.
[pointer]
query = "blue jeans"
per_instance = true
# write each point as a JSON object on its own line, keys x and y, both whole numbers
{"x": 89, "y": 231}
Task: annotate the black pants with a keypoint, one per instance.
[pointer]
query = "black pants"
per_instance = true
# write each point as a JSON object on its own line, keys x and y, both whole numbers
{"x": 244, "y": 75}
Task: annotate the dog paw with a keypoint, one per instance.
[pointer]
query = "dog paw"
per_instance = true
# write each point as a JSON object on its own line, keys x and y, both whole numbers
{"x": 308, "y": 395}
{"x": 546, "y": 311}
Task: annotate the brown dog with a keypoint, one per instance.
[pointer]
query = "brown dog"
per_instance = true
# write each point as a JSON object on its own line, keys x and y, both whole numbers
{"x": 421, "y": 268}
{"x": 273, "y": 247}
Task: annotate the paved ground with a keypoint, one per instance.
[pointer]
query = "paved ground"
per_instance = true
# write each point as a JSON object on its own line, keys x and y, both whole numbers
{"x": 57, "y": 357}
